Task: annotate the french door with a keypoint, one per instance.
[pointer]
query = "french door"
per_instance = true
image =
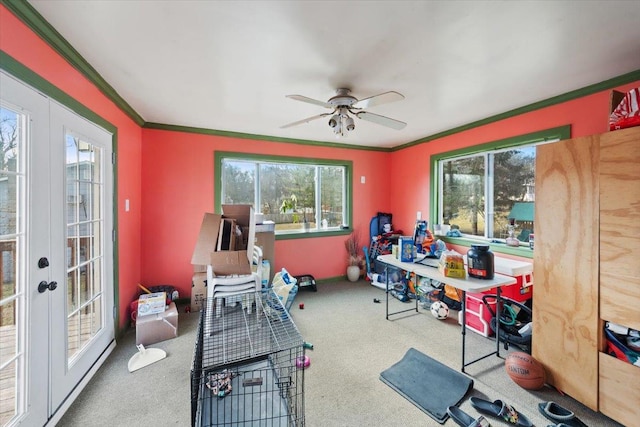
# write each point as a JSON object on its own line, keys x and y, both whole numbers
{"x": 56, "y": 265}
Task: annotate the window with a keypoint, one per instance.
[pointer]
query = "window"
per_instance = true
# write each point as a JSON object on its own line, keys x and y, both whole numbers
{"x": 482, "y": 190}
{"x": 299, "y": 195}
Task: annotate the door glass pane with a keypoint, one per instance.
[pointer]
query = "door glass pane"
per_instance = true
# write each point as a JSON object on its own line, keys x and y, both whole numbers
{"x": 72, "y": 289}
{"x": 85, "y": 243}
{"x": 86, "y": 325}
{"x": 73, "y": 331}
{"x": 72, "y": 246}
{"x": 96, "y": 319}
{"x": 96, "y": 277}
{"x": 12, "y": 236}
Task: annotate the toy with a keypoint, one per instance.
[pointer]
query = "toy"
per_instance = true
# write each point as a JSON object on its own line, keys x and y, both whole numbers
{"x": 220, "y": 382}
{"x": 303, "y": 362}
{"x": 524, "y": 370}
{"x": 439, "y": 310}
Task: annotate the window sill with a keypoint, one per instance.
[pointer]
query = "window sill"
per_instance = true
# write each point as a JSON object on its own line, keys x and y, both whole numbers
{"x": 311, "y": 234}
{"x": 521, "y": 251}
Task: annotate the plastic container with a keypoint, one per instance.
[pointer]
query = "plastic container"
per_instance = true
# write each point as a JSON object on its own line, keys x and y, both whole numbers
{"x": 480, "y": 262}
{"x": 266, "y": 273}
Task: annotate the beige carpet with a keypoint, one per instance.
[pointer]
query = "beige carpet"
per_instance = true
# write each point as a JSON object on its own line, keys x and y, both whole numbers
{"x": 353, "y": 343}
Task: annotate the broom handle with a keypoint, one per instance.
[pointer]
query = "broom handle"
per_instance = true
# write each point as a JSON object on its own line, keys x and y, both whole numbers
{"x": 144, "y": 289}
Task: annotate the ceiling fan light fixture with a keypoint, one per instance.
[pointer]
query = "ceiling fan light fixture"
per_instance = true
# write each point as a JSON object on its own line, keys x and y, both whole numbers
{"x": 346, "y": 106}
{"x": 349, "y": 124}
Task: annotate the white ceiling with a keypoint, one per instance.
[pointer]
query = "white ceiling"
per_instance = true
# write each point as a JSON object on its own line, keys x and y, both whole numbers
{"x": 227, "y": 65}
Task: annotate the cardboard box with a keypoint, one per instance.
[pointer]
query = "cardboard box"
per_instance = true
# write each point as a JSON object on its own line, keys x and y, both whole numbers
{"x": 153, "y": 303}
{"x": 226, "y": 262}
{"x": 157, "y": 327}
{"x": 198, "y": 291}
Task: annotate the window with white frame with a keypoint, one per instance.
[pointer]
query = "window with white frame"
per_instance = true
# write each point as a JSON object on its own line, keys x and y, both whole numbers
{"x": 299, "y": 195}
{"x": 488, "y": 191}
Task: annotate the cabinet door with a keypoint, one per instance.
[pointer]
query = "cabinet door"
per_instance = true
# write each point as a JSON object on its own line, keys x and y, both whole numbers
{"x": 565, "y": 315}
{"x": 620, "y": 227}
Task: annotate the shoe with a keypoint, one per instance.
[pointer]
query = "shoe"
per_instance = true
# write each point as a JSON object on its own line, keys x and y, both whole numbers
{"x": 559, "y": 415}
{"x": 464, "y": 420}
{"x": 500, "y": 409}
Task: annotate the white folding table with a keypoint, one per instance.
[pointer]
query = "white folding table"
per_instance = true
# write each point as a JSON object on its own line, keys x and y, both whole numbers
{"x": 469, "y": 284}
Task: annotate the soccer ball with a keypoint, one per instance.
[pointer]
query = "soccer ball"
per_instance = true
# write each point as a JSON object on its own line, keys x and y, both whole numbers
{"x": 439, "y": 310}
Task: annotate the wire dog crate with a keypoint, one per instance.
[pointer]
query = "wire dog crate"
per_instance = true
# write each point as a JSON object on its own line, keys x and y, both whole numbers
{"x": 248, "y": 368}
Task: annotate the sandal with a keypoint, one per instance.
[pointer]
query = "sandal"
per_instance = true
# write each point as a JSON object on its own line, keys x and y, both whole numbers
{"x": 558, "y": 414}
{"x": 500, "y": 409}
{"x": 464, "y": 420}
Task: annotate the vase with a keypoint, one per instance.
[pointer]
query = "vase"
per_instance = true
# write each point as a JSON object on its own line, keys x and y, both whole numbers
{"x": 353, "y": 273}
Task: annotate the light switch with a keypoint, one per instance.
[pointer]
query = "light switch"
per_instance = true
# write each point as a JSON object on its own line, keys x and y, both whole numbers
{"x": 362, "y": 179}
{"x": 126, "y": 205}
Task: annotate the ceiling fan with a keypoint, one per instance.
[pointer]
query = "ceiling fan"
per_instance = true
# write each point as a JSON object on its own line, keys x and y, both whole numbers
{"x": 345, "y": 106}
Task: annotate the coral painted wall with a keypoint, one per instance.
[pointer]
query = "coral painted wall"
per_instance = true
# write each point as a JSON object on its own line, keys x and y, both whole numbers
{"x": 587, "y": 116}
{"x": 177, "y": 177}
{"x": 167, "y": 176}
{"x": 26, "y": 47}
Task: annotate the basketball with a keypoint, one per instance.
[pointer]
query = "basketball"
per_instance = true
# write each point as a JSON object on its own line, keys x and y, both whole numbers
{"x": 524, "y": 370}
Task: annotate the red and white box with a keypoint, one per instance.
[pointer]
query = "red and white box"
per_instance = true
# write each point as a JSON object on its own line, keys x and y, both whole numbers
{"x": 478, "y": 316}
{"x": 523, "y": 273}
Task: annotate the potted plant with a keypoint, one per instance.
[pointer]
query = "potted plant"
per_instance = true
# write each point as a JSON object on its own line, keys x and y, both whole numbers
{"x": 354, "y": 257}
{"x": 291, "y": 204}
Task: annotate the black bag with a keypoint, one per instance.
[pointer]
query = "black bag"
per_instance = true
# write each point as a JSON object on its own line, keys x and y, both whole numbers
{"x": 513, "y": 316}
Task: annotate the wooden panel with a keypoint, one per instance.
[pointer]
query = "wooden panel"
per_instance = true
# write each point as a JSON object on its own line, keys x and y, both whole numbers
{"x": 620, "y": 300}
{"x": 565, "y": 315}
{"x": 619, "y": 391}
{"x": 620, "y": 227}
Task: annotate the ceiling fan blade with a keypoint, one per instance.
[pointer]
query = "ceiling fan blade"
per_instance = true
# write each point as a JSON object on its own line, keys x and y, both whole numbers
{"x": 307, "y": 120}
{"x": 381, "y": 120}
{"x": 310, "y": 101}
{"x": 383, "y": 98}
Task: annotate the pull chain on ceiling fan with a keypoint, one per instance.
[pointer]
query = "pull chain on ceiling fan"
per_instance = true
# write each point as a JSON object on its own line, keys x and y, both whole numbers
{"x": 345, "y": 107}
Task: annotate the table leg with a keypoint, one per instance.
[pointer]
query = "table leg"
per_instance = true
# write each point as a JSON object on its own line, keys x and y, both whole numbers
{"x": 386, "y": 280}
{"x": 464, "y": 324}
{"x": 498, "y": 308}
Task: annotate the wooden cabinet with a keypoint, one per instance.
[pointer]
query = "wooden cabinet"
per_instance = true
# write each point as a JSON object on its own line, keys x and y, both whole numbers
{"x": 565, "y": 302}
{"x": 619, "y": 392}
{"x": 586, "y": 266}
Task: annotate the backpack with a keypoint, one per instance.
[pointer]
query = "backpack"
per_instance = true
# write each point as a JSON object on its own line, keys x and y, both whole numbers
{"x": 448, "y": 295}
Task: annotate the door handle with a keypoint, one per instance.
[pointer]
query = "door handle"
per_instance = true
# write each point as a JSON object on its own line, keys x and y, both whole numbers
{"x": 43, "y": 286}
